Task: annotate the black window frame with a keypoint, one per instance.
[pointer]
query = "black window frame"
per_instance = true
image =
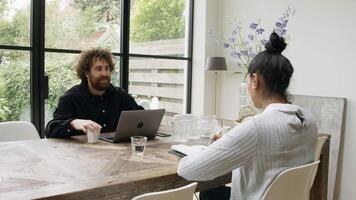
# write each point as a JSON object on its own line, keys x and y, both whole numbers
{"x": 37, "y": 50}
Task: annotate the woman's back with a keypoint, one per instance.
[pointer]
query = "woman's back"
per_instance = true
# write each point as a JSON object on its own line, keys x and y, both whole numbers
{"x": 256, "y": 151}
{"x": 286, "y": 137}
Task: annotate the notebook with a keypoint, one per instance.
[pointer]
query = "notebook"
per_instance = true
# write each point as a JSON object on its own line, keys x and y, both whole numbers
{"x": 185, "y": 150}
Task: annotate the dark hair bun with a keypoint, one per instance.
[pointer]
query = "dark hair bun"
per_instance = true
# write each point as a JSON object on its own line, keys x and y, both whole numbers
{"x": 275, "y": 44}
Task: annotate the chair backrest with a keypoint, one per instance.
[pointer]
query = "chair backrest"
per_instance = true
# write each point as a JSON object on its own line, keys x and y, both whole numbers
{"x": 17, "y": 130}
{"x": 154, "y": 103}
{"x": 182, "y": 193}
{"x": 149, "y": 105}
{"x": 145, "y": 104}
{"x": 293, "y": 183}
{"x": 319, "y": 146}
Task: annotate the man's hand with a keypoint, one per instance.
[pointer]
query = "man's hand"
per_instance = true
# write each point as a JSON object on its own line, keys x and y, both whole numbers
{"x": 84, "y": 125}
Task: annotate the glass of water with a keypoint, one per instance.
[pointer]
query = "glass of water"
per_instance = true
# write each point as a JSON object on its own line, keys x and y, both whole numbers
{"x": 138, "y": 145}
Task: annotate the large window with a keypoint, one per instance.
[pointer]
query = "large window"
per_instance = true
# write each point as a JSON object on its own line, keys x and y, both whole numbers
{"x": 15, "y": 60}
{"x": 70, "y": 26}
{"x": 159, "y": 38}
{"x": 81, "y": 24}
{"x": 15, "y": 85}
{"x": 15, "y": 22}
{"x": 159, "y": 27}
{"x": 40, "y": 43}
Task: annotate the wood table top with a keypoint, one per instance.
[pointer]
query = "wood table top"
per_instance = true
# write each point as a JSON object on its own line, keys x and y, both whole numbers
{"x": 73, "y": 169}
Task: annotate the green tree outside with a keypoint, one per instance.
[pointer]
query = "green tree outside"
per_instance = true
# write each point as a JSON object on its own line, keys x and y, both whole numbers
{"x": 157, "y": 20}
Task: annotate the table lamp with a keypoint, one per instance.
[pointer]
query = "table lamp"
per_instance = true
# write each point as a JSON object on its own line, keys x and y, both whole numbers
{"x": 215, "y": 64}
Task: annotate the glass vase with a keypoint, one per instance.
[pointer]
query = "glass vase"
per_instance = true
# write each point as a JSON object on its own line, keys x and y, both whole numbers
{"x": 243, "y": 95}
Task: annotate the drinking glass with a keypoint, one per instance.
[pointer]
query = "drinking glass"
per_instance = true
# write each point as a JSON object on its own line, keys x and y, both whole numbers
{"x": 138, "y": 145}
{"x": 93, "y": 135}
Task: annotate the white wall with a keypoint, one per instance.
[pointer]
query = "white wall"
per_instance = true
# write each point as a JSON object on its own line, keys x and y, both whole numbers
{"x": 323, "y": 36}
{"x": 205, "y": 16}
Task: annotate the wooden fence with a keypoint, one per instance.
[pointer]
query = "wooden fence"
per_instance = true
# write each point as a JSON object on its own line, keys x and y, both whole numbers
{"x": 161, "y": 78}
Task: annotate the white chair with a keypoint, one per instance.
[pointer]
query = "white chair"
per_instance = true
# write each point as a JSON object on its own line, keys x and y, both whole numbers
{"x": 293, "y": 184}
{"x": 149, "y": 105}
{"x": 17, "y": 130}
{"x": 319, "y": 146}
{"x": 154, "y": 103}
{"x": 182, "y": 193}
{"x": 145, "y": 104}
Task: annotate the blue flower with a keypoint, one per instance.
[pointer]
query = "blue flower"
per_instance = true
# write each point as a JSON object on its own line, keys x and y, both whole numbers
{"x": 243, "y": 48}
{"x": 235, "y": 54}
{"x": 253, "y": 26}
{"x": 283, "y": 32}
{"x": 285, "y": 22}
{"x": 278, "y": 24}
{"x": 280, "y": 31}
{"x": 244, "y": 53}
{"x": 260, "y": 30}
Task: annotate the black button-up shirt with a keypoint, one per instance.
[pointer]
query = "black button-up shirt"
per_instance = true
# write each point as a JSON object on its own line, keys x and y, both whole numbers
{"x": 79, "y": 103}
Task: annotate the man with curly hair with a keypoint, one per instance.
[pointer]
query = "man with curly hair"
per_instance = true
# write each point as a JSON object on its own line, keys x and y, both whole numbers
{"x": 93, "y": 104}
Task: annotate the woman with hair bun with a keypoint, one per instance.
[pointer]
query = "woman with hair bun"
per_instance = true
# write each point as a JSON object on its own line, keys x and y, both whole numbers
{"x": 282, "y": 136}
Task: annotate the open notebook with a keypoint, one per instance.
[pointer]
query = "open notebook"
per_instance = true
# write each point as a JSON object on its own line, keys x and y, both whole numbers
{"x": 185, "y": 150}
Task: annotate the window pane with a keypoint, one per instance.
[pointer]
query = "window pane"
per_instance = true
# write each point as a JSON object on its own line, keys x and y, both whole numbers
{"x": 15, "y": 22}
{"x": 159, "y": 78}
{"x": 15, "y": 85}
{"x": 60, "y": 69}
{"x": 80, "y": 24}
{"x": 159, "y": 27}
{"x": 61, "y": 77}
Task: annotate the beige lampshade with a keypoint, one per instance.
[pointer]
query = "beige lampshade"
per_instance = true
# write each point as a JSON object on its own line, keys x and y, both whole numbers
{"x": 215, "y": 63}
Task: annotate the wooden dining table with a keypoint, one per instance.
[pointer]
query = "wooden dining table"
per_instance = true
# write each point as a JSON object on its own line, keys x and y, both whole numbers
{"x": 73, "y": 169}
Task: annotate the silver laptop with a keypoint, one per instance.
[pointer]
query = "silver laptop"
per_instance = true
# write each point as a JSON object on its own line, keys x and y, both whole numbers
{"x": 135, "y": 122}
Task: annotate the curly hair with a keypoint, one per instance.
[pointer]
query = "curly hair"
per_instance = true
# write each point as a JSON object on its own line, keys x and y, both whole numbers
{"x": 88, "y": 56}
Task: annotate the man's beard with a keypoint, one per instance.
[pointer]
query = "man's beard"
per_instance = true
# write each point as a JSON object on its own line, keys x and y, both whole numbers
{"x": 99, "y": 84}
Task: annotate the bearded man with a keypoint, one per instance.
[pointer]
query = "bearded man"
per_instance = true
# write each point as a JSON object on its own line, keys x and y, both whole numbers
{"x": 93, "y": 104}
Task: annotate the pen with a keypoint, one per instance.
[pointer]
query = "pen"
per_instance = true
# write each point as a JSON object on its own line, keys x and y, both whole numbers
{"x": 218, "y": 135}
{"x": 213, "y": 139}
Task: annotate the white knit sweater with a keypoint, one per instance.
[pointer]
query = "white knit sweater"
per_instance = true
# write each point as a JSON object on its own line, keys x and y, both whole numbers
{"x": 256, "y": 151}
